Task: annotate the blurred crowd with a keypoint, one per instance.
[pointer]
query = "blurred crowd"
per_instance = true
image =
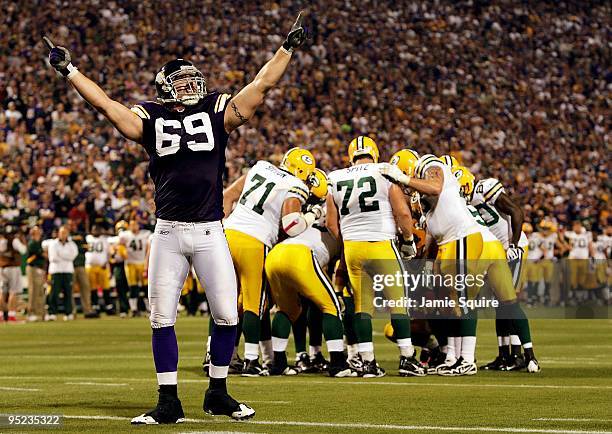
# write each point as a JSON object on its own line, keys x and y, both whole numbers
{"x": 518, "y": 91}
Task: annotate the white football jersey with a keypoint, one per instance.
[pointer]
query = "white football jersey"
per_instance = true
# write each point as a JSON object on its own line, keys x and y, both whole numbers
{"x": 535, "y": 252}
{"x": 580, "y": 244}
{"x": 98, "y": 250}
{"x": 486, "y": 192}
{"x": 602, "y": 246}
{"x": 547, "y": 244}
{"x": 136, "y": 245}
{"x": 258, "y": 211}
{"x": 361, "y": 194}
{"x": 448, "y": 218}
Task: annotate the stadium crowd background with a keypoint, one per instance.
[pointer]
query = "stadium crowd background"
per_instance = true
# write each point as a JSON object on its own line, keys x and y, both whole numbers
{"x": 516, "y": 91}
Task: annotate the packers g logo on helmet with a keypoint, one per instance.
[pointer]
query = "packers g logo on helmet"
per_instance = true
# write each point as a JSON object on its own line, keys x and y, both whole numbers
{"x": 450, "y": 161}
{"x": 299, "y": 162}
{"x": 363, "y": 145}
{"x": 466, "y": 181}
{"x": 318, "y": 184}
{"x": 121, "y": 225}
{"x": 406, "y": 160}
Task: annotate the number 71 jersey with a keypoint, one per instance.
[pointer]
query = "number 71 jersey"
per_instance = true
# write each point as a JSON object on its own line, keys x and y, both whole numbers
{"x": 361, "y": 195}
{"x": 258, "y": 211}
{"x": 186, "y": 157}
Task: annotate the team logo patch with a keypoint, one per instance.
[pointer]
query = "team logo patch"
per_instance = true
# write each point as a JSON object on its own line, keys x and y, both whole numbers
{"x": 306, "y": 159}
{"x": 394, "y": 160}
{"x": 314, "y": 181}
{"x": 163, "y": 232}
{"x": 458, "y": 174}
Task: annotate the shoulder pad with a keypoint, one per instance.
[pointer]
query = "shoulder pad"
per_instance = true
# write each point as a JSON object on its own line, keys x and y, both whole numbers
{"x": 488, "y": 190}
{"x": 221, "y": 101}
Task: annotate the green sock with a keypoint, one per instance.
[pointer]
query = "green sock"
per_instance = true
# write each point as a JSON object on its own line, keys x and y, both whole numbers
{"x": 348, "y": 320}
{"x": 363, "y": 327}
{"x": 299, "y": 333}
{"x": 251, "y": 327}
{"x": 332, "y": 327}
{"x": 520, "y": 324}
{"x": 281, "y": 325}
{"x": 468, "y": 324}
{"x": 401, "y": 326}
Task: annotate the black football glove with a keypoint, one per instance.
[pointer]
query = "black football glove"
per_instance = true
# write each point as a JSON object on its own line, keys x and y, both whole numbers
{"x": 296, "y": 36}
{"x": 408, "y": 248}
{"x": 59, "y": 58}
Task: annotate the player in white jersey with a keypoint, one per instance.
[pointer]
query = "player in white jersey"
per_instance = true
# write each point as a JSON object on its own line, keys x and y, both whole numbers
{"x": 295, "y": 271}
{"x": 365, "y": 210}
{"x": 580, "y": 241}
{"x": 97, "y": 265}
{"x": 266, "y": 199}
{"x": 135, "y": 241}
{"x": 464, "y": 248}
{"x": 504, "y": 218}
{"x": 598, "y": 279}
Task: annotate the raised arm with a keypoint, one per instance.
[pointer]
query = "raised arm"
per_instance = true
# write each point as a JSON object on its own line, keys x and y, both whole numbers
{"x": 243, "y": 105}
{"x": 122, "y": 118}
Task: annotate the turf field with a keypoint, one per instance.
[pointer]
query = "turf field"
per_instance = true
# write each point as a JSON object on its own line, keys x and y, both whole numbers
{"x": 100, "y": 373}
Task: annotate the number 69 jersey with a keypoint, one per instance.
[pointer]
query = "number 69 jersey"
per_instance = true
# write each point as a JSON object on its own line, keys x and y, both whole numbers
{"x": 258, "y": 211}
{"x": 187, "y": 157}
{"x": 361, "y": 194}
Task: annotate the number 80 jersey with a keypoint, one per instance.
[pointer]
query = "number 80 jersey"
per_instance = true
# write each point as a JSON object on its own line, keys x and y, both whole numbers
{"x": 361, "y": 195}
{"x": 187, "y": 157}
{"x": 258, "y": 211}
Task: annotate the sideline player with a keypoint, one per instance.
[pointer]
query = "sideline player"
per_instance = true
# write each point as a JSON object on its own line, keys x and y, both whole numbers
{"x": 185, "y": 134}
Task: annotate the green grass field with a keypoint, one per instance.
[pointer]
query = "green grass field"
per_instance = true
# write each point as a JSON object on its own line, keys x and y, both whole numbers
{"x": 100, "y": 373}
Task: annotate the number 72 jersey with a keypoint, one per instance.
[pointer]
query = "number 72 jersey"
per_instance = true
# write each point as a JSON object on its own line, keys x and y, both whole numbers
{"x": 258, "y": 211}
{"x": 361, "y": 195}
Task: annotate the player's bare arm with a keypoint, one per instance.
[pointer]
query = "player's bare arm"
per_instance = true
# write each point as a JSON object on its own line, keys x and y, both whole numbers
{"x": 332, "y": 221}
{"x": 122, "y": 118}
{"x": 506, "y": 205}
{"x": 243, "y": 105}
{"x": 401, "y": 210}
{"x": 430, "y": 185}
{"x": 231, "y": 195}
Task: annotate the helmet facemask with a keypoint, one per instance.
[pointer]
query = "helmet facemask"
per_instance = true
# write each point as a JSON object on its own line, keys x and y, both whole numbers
{"x": 186, "y": 86}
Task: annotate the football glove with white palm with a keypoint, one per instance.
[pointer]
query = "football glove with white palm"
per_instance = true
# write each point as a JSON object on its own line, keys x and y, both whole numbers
{"x": 514, "y": 253}
{"x": 59, "y": 58}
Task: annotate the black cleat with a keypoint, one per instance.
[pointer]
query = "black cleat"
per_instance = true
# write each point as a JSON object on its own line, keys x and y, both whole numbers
{"x": 219, "y": 403}
{"x": 372, "y": 370}
{"x": 168, "y": 410}
{"x": 252, "y": 368}
{"x": 236, "y": 365}
{"x": 303, "y": 363}
{"x": 410, "y": 367}
{"x": 499, "y": 364}
{"x": 319, "y": 363}
{"x": 516, "y": 363}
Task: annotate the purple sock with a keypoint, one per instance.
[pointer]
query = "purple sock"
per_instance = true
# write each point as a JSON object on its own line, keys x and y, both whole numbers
{"x": 165, "y": 350}
{"x": 222, "y": 339}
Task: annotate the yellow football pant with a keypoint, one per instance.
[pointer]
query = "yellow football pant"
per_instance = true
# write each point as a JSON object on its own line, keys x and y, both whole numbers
{"x": 473, "y": 256}
{"x": 368, "y": 260}
{"x": 99, "y": 277}
{"x": 134, "y": 274}
{"x": 292, "y": 270}
{"x": 578, "y": 271}
{"x": 248, "y": 255}
{"x": 547, "y": 267}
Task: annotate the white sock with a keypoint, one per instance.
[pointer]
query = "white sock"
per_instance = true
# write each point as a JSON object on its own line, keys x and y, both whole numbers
{"x": 405, "y": 347}
{"x": 352, "y": 350}
{"x": 366, "y": 350}
{"x": 335, "y": 345}
{"x": 167, "y": 378}
{"x": 468, "y": 348}
{"x": 514, "y": 340}
{"x": 279, "y": 344}
{"x": 267, "y": 353}
{"x": 208, "y": 344}
{"x": 218, "y": 371}
{"x": 314, "y": 350}
{"x": 500, "y": 341}
{"x": 458, "y": 345}
{"x": 133, "y": 304}
{"x": 451, "y": 356}
{"x": 527, "y": 345}
{"x": 506, "y": 340}
{"x": 251, "y": 351}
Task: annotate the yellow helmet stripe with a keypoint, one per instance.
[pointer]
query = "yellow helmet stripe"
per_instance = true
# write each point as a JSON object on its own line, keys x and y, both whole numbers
{"x": 489, "y": 194}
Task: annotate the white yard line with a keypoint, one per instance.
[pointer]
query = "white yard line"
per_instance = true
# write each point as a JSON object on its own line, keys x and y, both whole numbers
{"x": 89, "y": 383}
{"x": 570, "y": 419}
{"x": 19, "y": 389}
{"x": 369, "y": 426}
